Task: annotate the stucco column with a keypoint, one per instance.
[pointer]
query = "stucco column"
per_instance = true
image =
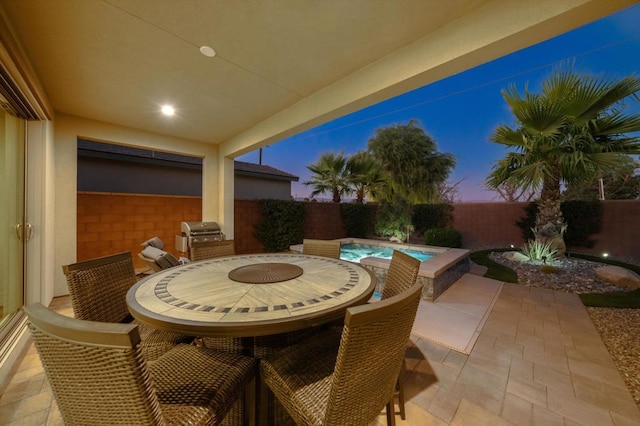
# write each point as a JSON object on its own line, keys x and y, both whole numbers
{"x": 226, "y": 195}
{"x": 218, "y": 190}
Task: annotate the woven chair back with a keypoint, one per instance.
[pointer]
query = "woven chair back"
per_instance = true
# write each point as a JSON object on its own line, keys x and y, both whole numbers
{"x": 373, "y": 345}
{"x": 98, "y": 287}
{"x": 200, "y": 250}
{"x": 326, "y": 248}
{"x": 402, "y": 274}
{"x": 96, "y": 370}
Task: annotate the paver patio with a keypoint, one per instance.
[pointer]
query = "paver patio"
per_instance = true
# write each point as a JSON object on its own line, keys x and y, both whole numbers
{"x": 538, "y": 361}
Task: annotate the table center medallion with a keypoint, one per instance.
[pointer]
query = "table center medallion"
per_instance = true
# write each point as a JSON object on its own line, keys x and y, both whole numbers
{"x": 265, "y": 273}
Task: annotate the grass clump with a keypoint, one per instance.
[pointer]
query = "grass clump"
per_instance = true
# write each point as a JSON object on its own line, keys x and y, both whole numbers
{"x": 614, "y": 299}
{"x": 496, "y": 271}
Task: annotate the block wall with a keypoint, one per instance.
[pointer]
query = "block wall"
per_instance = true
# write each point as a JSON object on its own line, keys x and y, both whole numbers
{"x": 111, "y": 223}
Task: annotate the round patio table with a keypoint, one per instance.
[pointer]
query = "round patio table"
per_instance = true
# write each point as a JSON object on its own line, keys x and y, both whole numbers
{"x": 250, "y": 295}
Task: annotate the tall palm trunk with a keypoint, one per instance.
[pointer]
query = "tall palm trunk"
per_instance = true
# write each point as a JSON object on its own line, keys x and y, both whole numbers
{"x": 550, "y": 224}
{"x": 336, "y": 195}
{"x": 549, "y": 217}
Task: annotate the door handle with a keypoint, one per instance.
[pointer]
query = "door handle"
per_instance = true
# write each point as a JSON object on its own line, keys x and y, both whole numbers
{"x": 24, "y": 231}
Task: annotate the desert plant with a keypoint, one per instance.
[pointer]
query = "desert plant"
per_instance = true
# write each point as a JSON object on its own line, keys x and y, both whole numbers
{"x": 539, "y": 250}
{"x": 443, "y": 237}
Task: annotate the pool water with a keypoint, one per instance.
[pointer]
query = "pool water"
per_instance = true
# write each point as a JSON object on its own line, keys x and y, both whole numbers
{"x": 354, "y": 252}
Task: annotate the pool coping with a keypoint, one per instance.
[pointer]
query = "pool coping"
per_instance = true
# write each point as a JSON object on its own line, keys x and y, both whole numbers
{"x": 433, "y": 270}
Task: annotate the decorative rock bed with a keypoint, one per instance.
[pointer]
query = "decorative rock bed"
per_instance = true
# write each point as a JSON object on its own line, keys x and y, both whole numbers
{"x": 573, "y": 275}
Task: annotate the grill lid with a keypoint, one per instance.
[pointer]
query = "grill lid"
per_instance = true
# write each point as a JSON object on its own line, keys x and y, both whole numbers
{"x": 191, "y": 229}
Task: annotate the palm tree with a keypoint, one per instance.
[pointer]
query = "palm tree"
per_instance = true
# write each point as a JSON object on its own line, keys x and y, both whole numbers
{"x": 364, "y": 176}
{"x": 329, "y": 176}
{"x": 573, "y": 130}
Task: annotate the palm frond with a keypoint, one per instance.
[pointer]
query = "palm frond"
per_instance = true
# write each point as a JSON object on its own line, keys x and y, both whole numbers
{"x": 505, "y": 135}
{"x": 609, "y": 94}
{"x": 615, "y": 123}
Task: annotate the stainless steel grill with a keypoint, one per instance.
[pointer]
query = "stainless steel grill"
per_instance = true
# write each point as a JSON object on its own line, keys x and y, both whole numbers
{"x": 197, "y": 231}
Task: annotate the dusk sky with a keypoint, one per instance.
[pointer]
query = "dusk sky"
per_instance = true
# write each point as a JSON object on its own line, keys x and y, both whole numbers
{"x": 462, "y": 111}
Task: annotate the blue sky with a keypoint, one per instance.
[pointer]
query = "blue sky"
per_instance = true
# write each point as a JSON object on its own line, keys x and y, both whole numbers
{"x": 462, "y": 111}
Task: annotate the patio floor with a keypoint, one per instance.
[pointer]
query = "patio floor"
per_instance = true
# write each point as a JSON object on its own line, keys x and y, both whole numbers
{"x": 537, "y": 361}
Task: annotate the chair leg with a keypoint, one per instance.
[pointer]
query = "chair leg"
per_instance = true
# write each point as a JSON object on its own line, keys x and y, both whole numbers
{"x": 400, "y": 385}
{"x": 250, "y": 403}
{"x": 262, "y": 409}
{"x": 391, "y": 413}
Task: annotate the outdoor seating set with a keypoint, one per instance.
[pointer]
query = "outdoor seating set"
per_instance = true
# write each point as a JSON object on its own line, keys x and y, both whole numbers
{"x": 105, "y": 368}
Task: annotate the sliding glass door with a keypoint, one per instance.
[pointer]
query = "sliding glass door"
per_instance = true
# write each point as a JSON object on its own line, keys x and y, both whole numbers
{"x": 13, "y": 231}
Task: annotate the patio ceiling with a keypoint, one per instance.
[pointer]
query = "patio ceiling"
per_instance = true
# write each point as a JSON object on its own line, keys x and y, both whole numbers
{"x": 282, "y": 66}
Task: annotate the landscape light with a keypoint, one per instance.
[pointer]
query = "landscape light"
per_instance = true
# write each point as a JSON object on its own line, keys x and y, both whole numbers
{"x": 605, "y": 254}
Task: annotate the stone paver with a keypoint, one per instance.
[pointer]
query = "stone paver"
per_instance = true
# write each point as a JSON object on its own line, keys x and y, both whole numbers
{"x": 538, "y": 361}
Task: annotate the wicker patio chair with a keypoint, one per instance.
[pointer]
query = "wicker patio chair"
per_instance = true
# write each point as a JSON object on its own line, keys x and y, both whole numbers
{"x": 200, "y": 250}
{"x": 402, "y": 274}
{"x": 99, "y": 376}
{"x": 98, "y": 289}
{"x": 327, "y": 248}
{"x": 349, "y": 381}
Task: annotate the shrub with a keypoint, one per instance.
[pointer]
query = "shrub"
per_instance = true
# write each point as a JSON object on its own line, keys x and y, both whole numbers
{"x": 394, "y": 220}
{"x": 583, "y": 218}
{"x": 281, "y": 224}
{"x": 443, "y": 237}
{"x": 528, "y": 222}
{"x": 428, "y": 216}
{"x": 357, "y": 219}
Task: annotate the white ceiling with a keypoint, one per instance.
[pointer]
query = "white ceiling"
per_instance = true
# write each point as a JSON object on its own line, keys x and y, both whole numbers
{"x": 281, "y": 65}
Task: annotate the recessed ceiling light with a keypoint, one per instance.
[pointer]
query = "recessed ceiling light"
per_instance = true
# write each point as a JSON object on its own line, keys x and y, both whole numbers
{"x": 168, "y": 110}
{"x": 207, "y": 51}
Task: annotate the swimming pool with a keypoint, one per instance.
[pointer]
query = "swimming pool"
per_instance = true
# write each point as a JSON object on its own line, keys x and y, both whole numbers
{"x": 440, "y": 267}
{"x": 353, "y": 252}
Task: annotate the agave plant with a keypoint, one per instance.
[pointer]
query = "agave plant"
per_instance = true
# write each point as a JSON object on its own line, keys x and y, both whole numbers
{"x": 539, "y": 250}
